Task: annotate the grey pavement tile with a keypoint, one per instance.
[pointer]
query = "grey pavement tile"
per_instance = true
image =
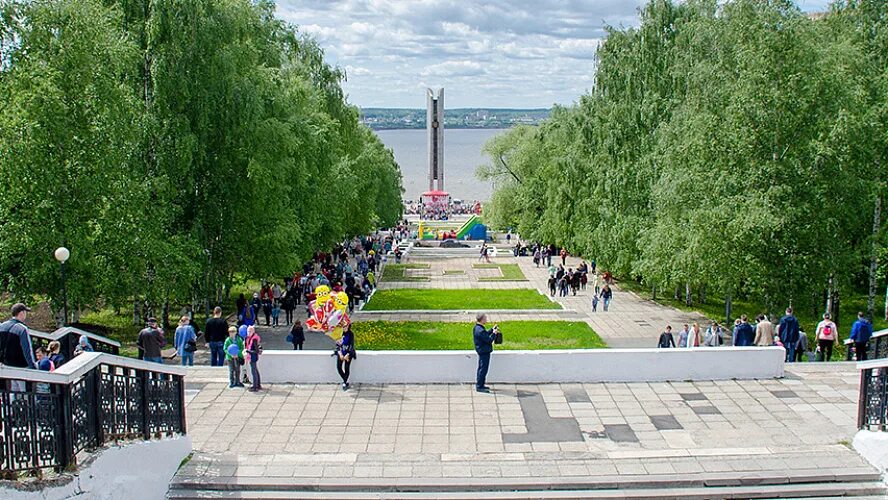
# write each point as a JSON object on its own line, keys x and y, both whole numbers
{"x": 665, "y": 422}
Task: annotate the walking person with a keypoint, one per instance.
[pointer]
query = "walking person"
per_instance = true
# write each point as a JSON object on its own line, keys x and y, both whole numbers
{"x": 297, "y": 335}
{"x": 789, "y": 334}
{"x": 713, "y": 336}
{"x": 253, "y": 348}
{"x": 694, "y": 336}
{"x": 55, "y": 353}
{"x": 483, "y": 340}
{"x": 151, "y": 341}
{"x": 606, "y": 295}
{"x": 185, "y": 341}
{"x": 275, "y": 312}
{"x": 683, "y": 336}
{"x": 744, "y": 335}
{"x": 234, "y": 356}
{"x": 827, "y": 337}
{"x": 563, "y": 254}
{"x": 861, "y": 332}
{"x": 289, "y": 304}
{"x": 217, "y": 332}
{"x": 764, "y": 332}
{"x": 15, "y": 344}
{"x": 345, "y": 353}
{"x": 666, "y": 340}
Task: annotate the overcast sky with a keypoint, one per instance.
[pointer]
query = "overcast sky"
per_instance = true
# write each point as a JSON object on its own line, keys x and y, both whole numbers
{"x": 494, "y": 53}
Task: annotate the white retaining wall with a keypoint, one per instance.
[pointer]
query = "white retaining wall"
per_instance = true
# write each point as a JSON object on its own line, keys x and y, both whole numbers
{"x": 594, "y": 365}
{"x": 140, "y": 470}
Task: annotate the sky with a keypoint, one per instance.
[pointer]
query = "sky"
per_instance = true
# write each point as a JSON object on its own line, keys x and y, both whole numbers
{"x": 493, "y": 54}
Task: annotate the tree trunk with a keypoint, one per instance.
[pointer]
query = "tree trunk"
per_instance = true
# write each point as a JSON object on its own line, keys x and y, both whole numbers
{"x": 728, "y": 311}
{"x": 688, "y": 297}
{"x": 874, "y": 260}
{"x": 653, "y": 292}
{"x": 137, "y": 314}
{"x": 165, "y": 319}
{"x": 830, "y": 291}
{"x": 677, "y": 294}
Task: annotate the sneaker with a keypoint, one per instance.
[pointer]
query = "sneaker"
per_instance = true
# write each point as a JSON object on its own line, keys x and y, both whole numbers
{"x": 482, "y": 389}
{"x": 344, "y": 386}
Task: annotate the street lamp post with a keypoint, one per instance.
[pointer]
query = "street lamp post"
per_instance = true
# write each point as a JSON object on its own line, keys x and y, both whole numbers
{"x": 62, "y": 254}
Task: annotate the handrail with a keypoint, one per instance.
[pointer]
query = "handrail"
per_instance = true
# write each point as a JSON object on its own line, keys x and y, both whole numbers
{"x": 872, "y": 406}
{"x": 47, "y": 418}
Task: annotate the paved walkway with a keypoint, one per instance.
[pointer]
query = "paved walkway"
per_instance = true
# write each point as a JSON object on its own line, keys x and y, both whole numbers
{"x": 630, "y": 322}
{"x": 537, "y": 430}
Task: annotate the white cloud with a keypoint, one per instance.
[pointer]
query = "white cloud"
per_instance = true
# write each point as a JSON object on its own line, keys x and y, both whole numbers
{"x": 486, "y": 53}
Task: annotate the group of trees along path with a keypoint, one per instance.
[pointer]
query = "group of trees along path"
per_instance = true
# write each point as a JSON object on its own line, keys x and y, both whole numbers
{"x": 726, "y": 149}
{"x": 173, "y": 146}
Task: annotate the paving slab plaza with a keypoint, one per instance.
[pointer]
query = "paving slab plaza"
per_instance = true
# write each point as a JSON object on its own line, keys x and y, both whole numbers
{"x": 802, "y": 422}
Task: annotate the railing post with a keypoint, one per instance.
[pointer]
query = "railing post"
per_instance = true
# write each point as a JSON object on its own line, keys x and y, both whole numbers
{"x": 65, "y": 426}
{"x": 143, "y": 385}
{"x": 862, "y": 399}
{"x": 181, "y": 381}
{"x": 99, "y": 419}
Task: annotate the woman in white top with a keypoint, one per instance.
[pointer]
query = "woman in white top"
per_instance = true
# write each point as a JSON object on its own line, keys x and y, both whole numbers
{"x": 694, "y": 336}
{"x": 827, "y": 336}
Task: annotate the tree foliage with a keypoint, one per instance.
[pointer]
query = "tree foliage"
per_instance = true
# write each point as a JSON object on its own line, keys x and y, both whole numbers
{"x": 733, "y": 146}
{"x": 173, "y": 145}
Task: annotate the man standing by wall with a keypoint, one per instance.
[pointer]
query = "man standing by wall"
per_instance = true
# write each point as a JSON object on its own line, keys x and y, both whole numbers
{"x": 15, "y": 344}
{"x": 483, "y": 346}
{"x": 15, "y": 340}
{"x": 217, "y": 332}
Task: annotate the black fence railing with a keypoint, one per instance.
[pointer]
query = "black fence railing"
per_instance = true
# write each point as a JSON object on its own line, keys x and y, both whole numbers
{"x": 69, "y": 336}
{"x": 872, "y": 408}
{"x": 47, "y": 419}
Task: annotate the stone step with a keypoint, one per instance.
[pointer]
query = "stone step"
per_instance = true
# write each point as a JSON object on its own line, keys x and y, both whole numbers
{"x": 848, "y": 475}
{"x": 869, "y": 489}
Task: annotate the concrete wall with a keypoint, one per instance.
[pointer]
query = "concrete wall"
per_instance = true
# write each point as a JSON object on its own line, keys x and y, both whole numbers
{"x": 140, "y": 470}
{"x": 873, "y": 446}
{"x": 597, "y": 365}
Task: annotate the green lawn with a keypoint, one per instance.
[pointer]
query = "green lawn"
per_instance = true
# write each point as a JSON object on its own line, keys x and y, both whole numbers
{"x": 510, "y": 272}
{"x": 517, "y": 335}
{"x": 453, "y": 272}
{"x": 406, "y": 298}
{"x": 398, "y": 272}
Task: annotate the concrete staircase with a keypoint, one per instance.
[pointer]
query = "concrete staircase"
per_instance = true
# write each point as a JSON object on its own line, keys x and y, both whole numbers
{"x": 852, "y": 482}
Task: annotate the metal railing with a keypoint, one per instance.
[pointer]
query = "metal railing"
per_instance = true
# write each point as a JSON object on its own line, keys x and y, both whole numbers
{"x": 47, "y": 419}
{"x": 69, "y": 336}
{"x": 872, "y": 407}
{"x": 876, "y": 348}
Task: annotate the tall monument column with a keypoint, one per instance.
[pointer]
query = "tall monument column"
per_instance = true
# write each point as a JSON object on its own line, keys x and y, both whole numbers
{"x": 435, "y": 127}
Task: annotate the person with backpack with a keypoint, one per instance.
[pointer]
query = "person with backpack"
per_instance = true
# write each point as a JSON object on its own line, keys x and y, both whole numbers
{"x": 713, "y": 336}
{"x": 55, "y": 353}
{"x": 234, "y": 357}
{"x": 666, "y": 339}
{"x": 827, "y": 337}
{"x": 861, "y": 332}
{"x": 185, "y": 341}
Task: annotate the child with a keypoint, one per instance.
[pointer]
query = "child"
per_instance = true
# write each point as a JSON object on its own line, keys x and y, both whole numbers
{"x": 43, "y": 361}
{"x": 594, "y": 303}
{"x": 275, "y": 312}
{"x": 234, "y": 361}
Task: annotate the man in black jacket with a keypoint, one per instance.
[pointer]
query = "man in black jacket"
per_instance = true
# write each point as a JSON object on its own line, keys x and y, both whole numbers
{"x": 217, "y": 332}
{"x": 15, "y": 340}
{"x": 483, "y": 346}
{"x": 666, "y": 339}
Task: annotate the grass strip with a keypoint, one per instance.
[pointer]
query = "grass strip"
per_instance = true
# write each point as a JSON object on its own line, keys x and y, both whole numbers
{"x": 510, "y": 272}
{"x": 461, "y": 299}
{"x": 517, "y": 335}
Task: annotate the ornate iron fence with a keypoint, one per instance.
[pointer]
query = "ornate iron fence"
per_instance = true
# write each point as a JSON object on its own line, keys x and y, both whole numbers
{"x": 872, "y": 408}
{"x": 876, "y": 348}
{"x": 47, "y": 419}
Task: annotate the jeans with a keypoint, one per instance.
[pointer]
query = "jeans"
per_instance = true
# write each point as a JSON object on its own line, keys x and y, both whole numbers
{"x": 790, "y": 351}
{"x": 607, "y": 303}
{"x": 150, "y": 359}
{"x": 344, "y": 369}
{"x": 483, "y": 366}
{"x": 234, "y": 373}
{"x": 187, "y": 358}
{"x": 860, "y": 349}
{"x": 217, "y": 357}
{"x": 254, "y": 372}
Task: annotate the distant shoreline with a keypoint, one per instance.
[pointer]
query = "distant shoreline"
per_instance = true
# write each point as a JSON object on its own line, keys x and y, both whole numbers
{"x": 448, "y": 127}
